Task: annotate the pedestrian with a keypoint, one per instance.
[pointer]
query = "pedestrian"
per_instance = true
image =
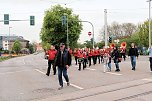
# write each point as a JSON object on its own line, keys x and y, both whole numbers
{"x": 51, "y": 56}
{"x": 133, "y": 53}
{"x": 150, "y": 57}
{"x": 116, "y": 57}
{"x": 80, "y": 59}
{"x": 107, "y": 62}
{"x": 63, "y": 61}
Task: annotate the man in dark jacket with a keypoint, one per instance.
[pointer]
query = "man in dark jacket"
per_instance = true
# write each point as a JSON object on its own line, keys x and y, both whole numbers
{"x": 133, "y": 53}
{"x": 63, "y": 61}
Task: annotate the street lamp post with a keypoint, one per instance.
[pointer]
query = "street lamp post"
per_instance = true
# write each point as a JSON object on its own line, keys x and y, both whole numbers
{"x": 149, "y": 22}
{"x": 92, "y": 30}
{"x": 9, "y": 40}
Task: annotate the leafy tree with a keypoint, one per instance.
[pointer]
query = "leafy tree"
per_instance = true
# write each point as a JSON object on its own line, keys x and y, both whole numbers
{"x": 143, "y": 31}
{"x": 31, "y": 48}
{"x": 128, "y": 28}
{"x": 54, "y": 32}
{"x": 17, "y": 46}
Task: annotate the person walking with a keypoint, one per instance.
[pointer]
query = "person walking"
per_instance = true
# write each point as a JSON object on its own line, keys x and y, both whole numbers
{"x": 133, "y": 53}
{"x": 51, "y": 55}
{"x": 150, "y": 57}
{"x": 63, "y": 61}
{"x": 116, "y": 55}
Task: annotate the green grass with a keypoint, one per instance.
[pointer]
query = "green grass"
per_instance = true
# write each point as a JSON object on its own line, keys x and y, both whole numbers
{"x": 4, "y": 58}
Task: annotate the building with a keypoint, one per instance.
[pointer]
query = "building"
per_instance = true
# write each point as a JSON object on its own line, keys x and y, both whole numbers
{"x": 38, "y": 47}
{"x": 7, "y": 42}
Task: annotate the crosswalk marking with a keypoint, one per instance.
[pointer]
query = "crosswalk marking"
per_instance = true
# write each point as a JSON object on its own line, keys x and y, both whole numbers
{"x": 113, "y": 73}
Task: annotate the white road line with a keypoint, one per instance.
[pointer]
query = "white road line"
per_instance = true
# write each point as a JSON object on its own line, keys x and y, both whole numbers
{"x": 40, "y": 71}
{"x": 113, "y": 73}
{"x": 91, "y": 69}
{"x": 14, "y": 72}
{"x": 73, "y": 85}
{"x": 147, "y": 79}
{"x": 76, "y": 66}
{"x": 24, "y": 61}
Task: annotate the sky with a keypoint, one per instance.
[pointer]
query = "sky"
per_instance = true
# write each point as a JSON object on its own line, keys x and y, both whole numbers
{"x": 121, "y": 11}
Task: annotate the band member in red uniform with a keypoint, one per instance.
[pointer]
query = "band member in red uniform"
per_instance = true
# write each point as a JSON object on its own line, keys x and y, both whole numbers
{"x": 98, "y": 55}
{"x": 89, "y": 56}
{"x": 123, "y": 53}
{"x": 102, "y": 54}
{"x": 70, "y": 51}
{"x": 85, "y": 56}
{"x": 76, "y": 55}
{"x": 51, "y": 55}
{"x": 80, "y": 58}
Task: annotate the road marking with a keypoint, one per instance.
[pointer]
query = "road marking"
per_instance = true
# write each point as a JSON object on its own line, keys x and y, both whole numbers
{"x": 91, "y": 69}
{"x": 24, "y": 61}
{"x": 14, "y": 72}
{"x": 73, "y": 85}
{"x": 40, "y": 71}
{"x": 76, "y": 66}
{"x": 147, "y": 79}
{"x": 113, "y": 73}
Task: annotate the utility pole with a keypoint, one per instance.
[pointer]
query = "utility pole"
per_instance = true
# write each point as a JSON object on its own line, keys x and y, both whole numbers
{"x": 67, "y": 33}
{"x": 105, "y": 28}
{"x": 149, "y": 22}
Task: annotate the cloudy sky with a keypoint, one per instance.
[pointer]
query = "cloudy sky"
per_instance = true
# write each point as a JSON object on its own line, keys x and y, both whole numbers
{"x": 133, "y": 11}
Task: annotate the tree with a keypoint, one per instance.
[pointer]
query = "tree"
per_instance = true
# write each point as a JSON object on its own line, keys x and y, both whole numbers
{"x": 17, "y": 46}
{"x": 54, "y": 32}
{"x": 143, "y": 31}
{"x": 31, "y": 48}
{"x": 128, "y": 28}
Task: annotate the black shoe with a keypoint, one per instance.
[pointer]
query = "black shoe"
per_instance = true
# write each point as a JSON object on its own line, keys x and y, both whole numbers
{"x": 79, "y": 69}
{"x": 133, "y": 69}
{"x": 117, "y": 70}
{"x": 47, "y": 74}
{"x": 54, "y": 74}
{"x": 60, "y": 88}
{"x": 68, "y": 84}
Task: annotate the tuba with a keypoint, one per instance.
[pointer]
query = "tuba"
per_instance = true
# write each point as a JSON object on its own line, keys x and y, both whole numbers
{"x": 123, "y": 45}
{"x": 112, "y": 45}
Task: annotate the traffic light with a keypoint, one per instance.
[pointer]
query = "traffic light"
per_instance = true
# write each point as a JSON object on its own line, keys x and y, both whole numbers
{"x": 64, "y": 20}
{"x": 6, "y": 19}
{"x": 110, "y": 39}
{"x": 32, "y": 20}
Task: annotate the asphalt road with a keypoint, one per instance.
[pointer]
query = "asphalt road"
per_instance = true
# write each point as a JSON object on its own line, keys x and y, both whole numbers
{"x": 24, "y": 79}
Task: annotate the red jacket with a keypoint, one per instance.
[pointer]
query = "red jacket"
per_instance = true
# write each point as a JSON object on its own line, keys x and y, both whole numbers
{"x": 76, "y": 53}
{"x": 51, "y": 54}
{"x": 70, "y": 51}
{"x": 85, "y": 55}
{"x": 80, "y": 54}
